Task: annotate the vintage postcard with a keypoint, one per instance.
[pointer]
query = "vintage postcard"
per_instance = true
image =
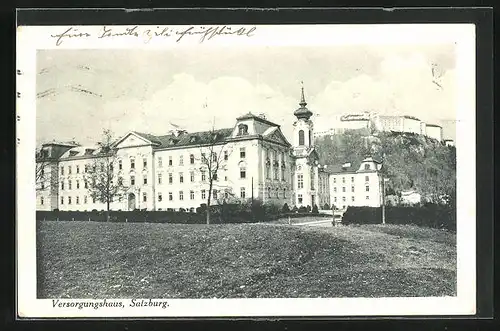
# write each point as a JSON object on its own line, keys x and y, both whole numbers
{"x": 246, "y": 170}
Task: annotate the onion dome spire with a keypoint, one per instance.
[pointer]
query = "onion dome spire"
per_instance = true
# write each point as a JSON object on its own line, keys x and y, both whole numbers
{"x": 302, "y": 112}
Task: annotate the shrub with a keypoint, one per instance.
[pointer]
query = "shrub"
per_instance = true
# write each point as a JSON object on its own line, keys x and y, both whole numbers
{"x": 315, "y": 209}
{"x": 226, "y": 213}
{"x": 202, "y": 209}
{"x": 308, "y": 208}
{"x": 285, "y": 208}
{"x": 271, "y": 209}
{"x": 326, "y": 206}
{"x": 295, "y": 209}
{"x": 430, "y": 215}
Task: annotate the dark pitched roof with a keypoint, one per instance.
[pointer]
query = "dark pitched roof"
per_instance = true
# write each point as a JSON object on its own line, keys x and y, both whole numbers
{"x": 65, "y": 144}
{"x": 434, "y": 125}
{"x": 249, "y": 115}
{"x": 147, "y": 136}
{"x": 411, "y": 117}
{"x": 187, "y": 139}
{"x": 337, "y": 168}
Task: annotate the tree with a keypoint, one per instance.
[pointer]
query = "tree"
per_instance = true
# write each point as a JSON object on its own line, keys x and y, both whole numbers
{"x": 225, "y": 197}
{"x": 411, "y": 161}
{"x": 214, "y": 154}
{"x": 104, "y": 183}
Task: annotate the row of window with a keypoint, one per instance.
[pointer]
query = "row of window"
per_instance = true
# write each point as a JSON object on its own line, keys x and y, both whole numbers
{"x": 275, "y": 155}
{"x": 276, "y": 193}
{"x": 367, "y": 179}
{"x": 352, "y": 198}
{"x": 160, "y": 161}
{"x": 192, "y": 176}
{"x": 203, "y": 194}
{"x": 85, "y": 183}
{"x": 275, "y": 173}
{"x": 214, "y": 158}
{"x": 275, "y": 165}
{"x": 69, "y": 200}
{"x": 160, "y": 179}
{"x": 367, "y": 189}
{"x": 300, "y": 181}
{"x": 87, "y": 167}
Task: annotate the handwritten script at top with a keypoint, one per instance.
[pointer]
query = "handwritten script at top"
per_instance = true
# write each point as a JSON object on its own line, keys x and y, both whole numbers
{"x": 202, "y": 33}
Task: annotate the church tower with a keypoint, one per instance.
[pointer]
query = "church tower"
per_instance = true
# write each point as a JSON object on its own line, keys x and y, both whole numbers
{"x": 303, "y": 127}
{"x": 306, "y": 159}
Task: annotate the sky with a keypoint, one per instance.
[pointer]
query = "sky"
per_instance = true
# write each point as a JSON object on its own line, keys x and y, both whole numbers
{"x": 82, "y": 92}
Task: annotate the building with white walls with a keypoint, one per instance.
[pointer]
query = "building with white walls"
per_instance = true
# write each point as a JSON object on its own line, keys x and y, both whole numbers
{"x": 382, "y": 123}
{"x": 356, "y": 184}
{"x": 449, "y": 142}
{"x": 434, "y": 131}
{"x": 162, "y": 172}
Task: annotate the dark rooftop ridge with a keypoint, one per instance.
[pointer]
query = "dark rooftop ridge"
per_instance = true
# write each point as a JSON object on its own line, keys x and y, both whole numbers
{"x": 411, "y": 117}
{"x": 187, "y": 139}
{"x": 249, "y": 116}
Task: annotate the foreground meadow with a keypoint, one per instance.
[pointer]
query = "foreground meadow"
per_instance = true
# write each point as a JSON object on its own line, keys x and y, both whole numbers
{"x": 140, "y": 260}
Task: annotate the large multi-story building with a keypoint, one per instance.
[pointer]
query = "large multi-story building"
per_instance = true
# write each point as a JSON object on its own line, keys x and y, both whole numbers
{"x": 356, "y": 185}
{"x": 346, "y": 122}
{"x": 403, "y": 123}
{"x": 434, "y": 131}
{"x": 167, "y": 172}
{"x": 376, "y": 122}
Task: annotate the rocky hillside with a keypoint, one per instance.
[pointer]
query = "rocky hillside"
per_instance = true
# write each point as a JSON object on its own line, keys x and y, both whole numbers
{"x": 411, "y": 161}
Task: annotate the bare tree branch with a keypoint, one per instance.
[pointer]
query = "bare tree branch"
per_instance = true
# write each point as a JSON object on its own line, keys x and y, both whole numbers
{"x": 213, "y": 162}
{"x": 103, "y": 180}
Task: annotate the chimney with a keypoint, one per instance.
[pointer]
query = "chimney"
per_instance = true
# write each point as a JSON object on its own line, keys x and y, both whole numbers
{"x": 178, "y": 132}
{"x": 262, "y": 115}
{"x": 346, "y": 165}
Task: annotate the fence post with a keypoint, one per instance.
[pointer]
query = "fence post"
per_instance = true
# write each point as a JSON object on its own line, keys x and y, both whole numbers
{"x": 73, "y": 219}
{"x": 126, "y": 220}
{"x": 58, "y": 218}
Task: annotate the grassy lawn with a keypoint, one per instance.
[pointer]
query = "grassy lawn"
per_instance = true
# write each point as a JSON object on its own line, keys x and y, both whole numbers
{"x": 125, "y": 260}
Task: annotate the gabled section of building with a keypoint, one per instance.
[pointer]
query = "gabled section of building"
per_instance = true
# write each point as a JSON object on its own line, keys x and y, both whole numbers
{"x": 356, "y": 184}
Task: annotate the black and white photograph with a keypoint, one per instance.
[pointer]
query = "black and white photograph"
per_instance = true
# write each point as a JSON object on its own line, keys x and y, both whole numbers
{"x": 240, "y": 170}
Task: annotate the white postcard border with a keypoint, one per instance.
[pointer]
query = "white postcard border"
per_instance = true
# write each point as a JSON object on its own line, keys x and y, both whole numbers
{"x": 32, "y": 38}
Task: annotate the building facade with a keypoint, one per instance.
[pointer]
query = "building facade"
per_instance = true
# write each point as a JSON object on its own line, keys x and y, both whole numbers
{"x": 347, "y": 122}
{"x": 169, "y": 172}
{"x": 449, "y": 142}
{"x": 434, "y": 131}
{"x": 356, "y": 186}
{"x": 376, "y": 122}
{"x": 307, "y": 172}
